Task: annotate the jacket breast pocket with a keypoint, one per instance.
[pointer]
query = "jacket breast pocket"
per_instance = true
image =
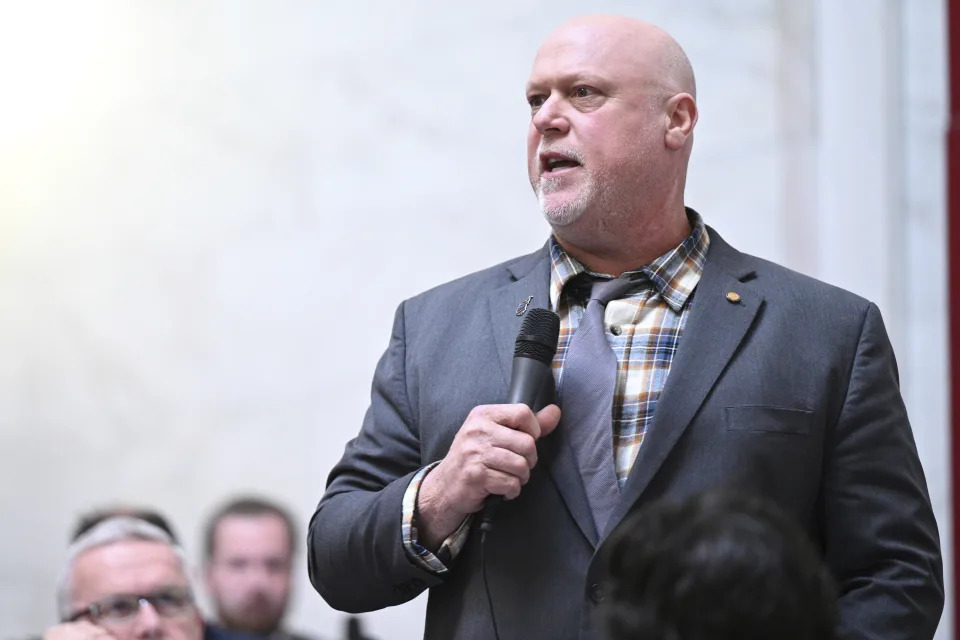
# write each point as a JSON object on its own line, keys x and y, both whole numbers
{"x": 768, "y": 419}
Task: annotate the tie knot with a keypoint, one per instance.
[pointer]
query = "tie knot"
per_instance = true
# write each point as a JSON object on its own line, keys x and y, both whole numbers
{"x": 603, "y": 291}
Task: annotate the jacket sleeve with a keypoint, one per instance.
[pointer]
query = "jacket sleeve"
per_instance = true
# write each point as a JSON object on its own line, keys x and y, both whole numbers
{"x": 355, "y": 553}
{"x": 880, "y": 536}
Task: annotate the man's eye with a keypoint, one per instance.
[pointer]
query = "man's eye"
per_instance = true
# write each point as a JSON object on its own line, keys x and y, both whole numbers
{"x": 277, "y": 565}
{"x": 582, "y": 92}
{"x": 166, "y": 600}
{"x": 536, "y": 101}
{"x": 119, "y": 609}
{"x": 171, "y": 601}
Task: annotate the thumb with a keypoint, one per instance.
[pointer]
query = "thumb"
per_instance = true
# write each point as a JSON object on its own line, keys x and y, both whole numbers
{"x": 548, "y": 417}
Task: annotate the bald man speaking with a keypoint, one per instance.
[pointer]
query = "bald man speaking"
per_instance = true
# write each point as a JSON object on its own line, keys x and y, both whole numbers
{"x": 682, "y": 365}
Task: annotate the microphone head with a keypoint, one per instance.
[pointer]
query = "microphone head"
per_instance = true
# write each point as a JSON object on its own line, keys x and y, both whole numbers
{"x": 538, "y": 336}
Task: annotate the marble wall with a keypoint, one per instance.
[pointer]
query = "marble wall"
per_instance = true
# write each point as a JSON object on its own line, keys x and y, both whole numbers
{"x": 209, "y": 211}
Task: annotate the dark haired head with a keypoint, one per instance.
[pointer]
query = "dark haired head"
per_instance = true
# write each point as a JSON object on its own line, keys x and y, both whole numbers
{"x": 718, "y": 566}
{"x": 91, "y": 519}
{"x": 247, "y": 506}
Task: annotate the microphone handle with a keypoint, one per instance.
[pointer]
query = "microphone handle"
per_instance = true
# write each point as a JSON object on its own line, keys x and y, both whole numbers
{"x": 526, "y": 379}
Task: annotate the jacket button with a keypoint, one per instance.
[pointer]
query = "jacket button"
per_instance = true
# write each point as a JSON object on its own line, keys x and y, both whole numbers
{"x": 596, "y": 593}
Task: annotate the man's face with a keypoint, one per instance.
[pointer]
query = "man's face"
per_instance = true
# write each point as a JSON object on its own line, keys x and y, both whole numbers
{"x": 248, "y": 575}
{"x": 596, "y": 128}
{"x": 152, "y": 570}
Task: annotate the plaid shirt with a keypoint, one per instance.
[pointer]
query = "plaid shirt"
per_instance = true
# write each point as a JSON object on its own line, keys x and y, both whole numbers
{"x": 644, "y": 330}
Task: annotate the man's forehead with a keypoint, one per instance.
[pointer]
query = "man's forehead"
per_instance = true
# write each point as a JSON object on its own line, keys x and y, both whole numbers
{"x": 581, "y": 52}
{"x": 236, "y": 522}
{"x": 129, "y": 566}
{"x": 568, "y": 77}
{"x": 240, "y": 531}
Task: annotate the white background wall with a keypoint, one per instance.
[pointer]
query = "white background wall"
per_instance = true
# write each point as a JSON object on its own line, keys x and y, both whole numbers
{"x": 209, "y": 211}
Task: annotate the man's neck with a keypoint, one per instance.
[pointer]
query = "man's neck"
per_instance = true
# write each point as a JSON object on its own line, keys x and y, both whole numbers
{"x": 276, "y": 632}
{"x": 627, "y": 249}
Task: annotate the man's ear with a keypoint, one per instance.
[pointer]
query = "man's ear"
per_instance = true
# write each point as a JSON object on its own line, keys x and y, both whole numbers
{"x": 682, "y": 118}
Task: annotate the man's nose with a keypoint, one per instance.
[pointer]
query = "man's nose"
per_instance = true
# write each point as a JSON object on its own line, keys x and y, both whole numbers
{"x": 551, "y": 117}
{"x": 258, "y": 573}
{"x": 148, "y": 625}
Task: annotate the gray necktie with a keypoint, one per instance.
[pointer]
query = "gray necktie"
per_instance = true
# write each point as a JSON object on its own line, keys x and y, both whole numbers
{"x": 588, "y": 382}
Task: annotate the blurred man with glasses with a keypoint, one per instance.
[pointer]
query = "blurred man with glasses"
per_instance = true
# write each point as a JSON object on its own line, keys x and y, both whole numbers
{"x": 125, "y": 579}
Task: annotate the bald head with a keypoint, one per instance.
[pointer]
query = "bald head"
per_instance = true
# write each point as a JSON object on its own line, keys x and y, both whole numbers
{"x": 655, "y": 57}
{"x": 611, "y": 130}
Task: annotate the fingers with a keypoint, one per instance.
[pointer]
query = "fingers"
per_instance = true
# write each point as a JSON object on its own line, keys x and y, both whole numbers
{"x": 522, "y": 427}
{"x": 493, "y": 453}
{"x": 503, "y": 461}
{"x": 80, "y": 630}
{"x": 549, "y": 418}
{"x": 503, "y": 484}
{"x": 515, "y": 416}
{"x": 516, "y": 442}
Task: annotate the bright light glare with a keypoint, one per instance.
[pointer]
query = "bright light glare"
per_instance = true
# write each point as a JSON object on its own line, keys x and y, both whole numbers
{"x": 48, "y": 55}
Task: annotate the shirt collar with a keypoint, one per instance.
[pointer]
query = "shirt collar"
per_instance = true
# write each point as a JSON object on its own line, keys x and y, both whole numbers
{"x": 674, "y": 275}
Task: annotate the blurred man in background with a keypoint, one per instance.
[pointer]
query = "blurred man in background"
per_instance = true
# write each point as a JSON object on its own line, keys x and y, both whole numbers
{"x": 134, "y": 544}
{"x": 125, "y": 579}
{"x": 249, "y": 546}
{"x": 718, "y": 566}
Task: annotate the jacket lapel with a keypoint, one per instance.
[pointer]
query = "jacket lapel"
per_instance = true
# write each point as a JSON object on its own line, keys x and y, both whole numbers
{"x": 532, "y": 282}
{"x": 532, "y": 278}
{"x": 713, "y": 332}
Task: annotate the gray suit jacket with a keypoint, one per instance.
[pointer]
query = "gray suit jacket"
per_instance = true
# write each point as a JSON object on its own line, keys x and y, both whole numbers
{"x": 791, "y": 392}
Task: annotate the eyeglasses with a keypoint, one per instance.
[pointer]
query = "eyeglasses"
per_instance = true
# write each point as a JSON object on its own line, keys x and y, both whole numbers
{"x": 123, "y": 608}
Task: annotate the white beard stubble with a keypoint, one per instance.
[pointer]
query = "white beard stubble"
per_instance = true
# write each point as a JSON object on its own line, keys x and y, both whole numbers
{"x": 563, "y": 213}
{"x": 567, "y": 212}
{"x": 616, "y": 199}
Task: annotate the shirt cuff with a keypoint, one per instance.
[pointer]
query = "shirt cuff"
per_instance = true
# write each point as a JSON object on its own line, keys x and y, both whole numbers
{"x": 416, "y": 552}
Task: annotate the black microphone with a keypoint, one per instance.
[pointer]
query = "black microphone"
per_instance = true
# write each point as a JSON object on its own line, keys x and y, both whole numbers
{"x": 354, "y": 632}
{"x": 532, "y": 356}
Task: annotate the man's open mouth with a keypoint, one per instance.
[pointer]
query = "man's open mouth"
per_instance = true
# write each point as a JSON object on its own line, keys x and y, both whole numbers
{"x": 555, "y": 162}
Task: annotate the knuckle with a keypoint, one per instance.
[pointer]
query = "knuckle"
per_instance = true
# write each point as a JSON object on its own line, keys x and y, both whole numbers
{"x": 475, "y": 433}
{"x": 528, "y": 446}
{"x": 473, "y": 449}
{"x": 524, "y": 416}
{"x": 471, "y": 427}
{"x": 473, "y": 474}
{"x": 477, "y": 412}
{"x": 514, "y": 415}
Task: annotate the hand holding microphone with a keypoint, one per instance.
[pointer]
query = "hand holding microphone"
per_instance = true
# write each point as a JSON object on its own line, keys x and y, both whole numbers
{"x": 495, "y": 448}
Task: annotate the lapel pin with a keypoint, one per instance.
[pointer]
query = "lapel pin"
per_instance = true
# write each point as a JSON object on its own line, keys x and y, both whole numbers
{"x": 522, "y": 307}
{"x": 733, "y": 296}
